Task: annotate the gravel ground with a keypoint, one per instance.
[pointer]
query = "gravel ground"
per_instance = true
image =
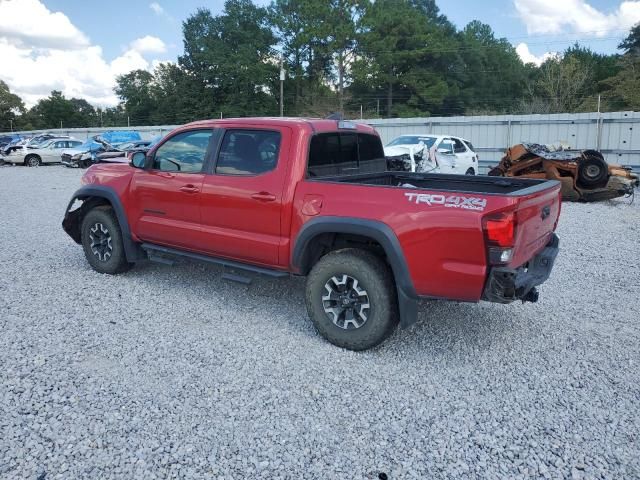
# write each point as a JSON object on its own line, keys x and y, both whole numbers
{"x": 172, "y": 372}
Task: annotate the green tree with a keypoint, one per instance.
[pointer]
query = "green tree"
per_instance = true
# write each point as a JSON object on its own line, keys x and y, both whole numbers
{"x": 631, "y": 44}
{"x": 232, "y": 57}
{"x": 11, "y": 106}
{"x": 406, "y": 50}
{"x": 301, "y": 28}
{"x": 491, "y": 75}
{"x": 134, "y": 90}
{"x": 624, "y": 86}
{"x": 56, "y": 110}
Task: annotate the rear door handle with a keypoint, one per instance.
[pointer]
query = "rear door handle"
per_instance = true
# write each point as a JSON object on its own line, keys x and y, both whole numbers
{"x": 264, "y": 197}
{"x": 189, "y": 189}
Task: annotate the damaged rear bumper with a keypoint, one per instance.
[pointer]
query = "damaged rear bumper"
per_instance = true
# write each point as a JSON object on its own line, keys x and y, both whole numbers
{"x": 505, "y": 285}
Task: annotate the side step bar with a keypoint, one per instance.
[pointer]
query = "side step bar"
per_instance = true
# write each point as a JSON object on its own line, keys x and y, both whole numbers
{"x": 156, "y": 253}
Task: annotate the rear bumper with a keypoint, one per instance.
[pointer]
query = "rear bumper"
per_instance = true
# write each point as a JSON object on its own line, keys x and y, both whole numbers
{"x": 505, "y": 285}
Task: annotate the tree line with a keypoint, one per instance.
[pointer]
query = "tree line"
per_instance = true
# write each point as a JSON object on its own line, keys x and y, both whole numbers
{"x": 389, "y": 58}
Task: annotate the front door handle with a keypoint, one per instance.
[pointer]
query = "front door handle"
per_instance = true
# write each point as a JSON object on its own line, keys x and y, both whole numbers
{"x": 264, "y": 197}
{"x": 189, "y": 189}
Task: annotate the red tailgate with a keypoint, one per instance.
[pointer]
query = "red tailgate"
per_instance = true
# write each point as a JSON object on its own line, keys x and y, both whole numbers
{"x": 536, "y": 219}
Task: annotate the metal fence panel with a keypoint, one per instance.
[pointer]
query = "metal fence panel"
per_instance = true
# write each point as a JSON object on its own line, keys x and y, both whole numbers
{"x": 616, "y": 134}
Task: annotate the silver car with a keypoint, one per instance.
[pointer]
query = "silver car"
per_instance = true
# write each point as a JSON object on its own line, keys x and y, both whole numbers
{"x": 47, "y": 152}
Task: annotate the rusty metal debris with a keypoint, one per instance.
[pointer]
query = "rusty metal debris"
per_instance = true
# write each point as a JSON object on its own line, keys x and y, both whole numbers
{"x": 585, "y": 175}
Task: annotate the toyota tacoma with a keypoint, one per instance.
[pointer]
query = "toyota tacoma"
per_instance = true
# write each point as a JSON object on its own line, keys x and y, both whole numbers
{"x": 310, "y": 197}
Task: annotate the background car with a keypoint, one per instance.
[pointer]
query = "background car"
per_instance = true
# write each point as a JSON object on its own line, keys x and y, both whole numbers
{"x": 48, "y": 152}
{"x": 7, "y": 139}
{"x": 86, "y": 154}
{"x": 432, "y": 153}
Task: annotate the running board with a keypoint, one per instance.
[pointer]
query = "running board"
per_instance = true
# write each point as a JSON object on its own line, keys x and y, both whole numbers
{"x": 156, "y": 253}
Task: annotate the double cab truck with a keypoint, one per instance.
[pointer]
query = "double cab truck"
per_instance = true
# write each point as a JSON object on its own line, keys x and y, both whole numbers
{"x": 311, "y": 197}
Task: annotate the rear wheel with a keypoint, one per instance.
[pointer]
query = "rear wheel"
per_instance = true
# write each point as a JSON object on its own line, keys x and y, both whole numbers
{"x": 102, "y": 241}
{"x": 351, "y": 299}
{"x": 470, "y": 171}
{"x": 32, "y": 161}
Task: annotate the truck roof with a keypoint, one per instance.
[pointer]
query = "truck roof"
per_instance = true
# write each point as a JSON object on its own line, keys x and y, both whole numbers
{"x": 314, "y": 124}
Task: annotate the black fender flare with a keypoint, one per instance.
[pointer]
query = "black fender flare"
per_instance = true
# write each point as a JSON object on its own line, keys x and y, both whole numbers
{"x": 72, "y": 219}
{"x": 378, "y": 231}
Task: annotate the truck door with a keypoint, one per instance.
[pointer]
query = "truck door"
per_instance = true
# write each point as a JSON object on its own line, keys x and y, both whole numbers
{"x": 165, "y": 204}
{"x": 242, "y": 195}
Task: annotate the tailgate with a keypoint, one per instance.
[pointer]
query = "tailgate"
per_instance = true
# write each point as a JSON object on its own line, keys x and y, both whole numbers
{"x": 536, "y": 216}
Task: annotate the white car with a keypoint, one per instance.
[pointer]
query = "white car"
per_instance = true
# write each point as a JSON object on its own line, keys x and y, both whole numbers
{"x": 47, "y": 152}
{"x": 432, "y": 153}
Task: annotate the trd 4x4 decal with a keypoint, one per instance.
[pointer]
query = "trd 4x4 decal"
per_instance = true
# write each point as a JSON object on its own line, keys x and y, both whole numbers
{"x": 451, "y": 201}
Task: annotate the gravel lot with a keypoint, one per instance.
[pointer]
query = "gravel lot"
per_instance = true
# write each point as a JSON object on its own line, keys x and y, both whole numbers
{"x": 172, "y": 372}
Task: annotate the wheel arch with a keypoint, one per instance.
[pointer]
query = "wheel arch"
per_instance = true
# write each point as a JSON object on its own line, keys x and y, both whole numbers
{"x": 305, "y": 254}
{"x": 91, "y": 197}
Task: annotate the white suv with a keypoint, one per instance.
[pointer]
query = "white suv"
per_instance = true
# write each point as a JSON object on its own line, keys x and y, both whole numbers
{"x": 432, "y": 153}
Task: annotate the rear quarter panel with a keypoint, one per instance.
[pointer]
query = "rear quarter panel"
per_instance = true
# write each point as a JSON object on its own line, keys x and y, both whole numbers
{"x": 444, "y": 246}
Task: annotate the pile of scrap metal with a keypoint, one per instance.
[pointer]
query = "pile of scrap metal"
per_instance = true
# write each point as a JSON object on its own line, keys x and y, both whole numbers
{"x": 585, "y": 175}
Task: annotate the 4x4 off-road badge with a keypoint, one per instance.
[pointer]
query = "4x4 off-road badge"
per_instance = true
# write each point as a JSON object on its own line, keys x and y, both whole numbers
{"x": 449, "y": 201}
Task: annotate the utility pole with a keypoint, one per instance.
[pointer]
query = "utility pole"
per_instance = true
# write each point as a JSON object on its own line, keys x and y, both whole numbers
{"x": 378, "y": 107}
{"x": 599, "y": 126}
{"x": 100, "y": 118}
{"x": 60, "y": 124}
{"x": 360, "y": 112}
{"x": 11, "y": 123}
{"x": 281, "y": 87}
{"x": 128, "y": 123}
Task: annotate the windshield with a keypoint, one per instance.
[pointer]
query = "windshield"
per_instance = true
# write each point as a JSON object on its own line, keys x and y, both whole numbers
{"x": 413, "y": 140}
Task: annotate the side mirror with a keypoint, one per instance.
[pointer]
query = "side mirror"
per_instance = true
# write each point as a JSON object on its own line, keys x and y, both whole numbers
{"x": 138, "y": 160}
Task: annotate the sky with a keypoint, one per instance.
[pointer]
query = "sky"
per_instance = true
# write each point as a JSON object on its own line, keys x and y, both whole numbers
{"x": 81, "y": 46}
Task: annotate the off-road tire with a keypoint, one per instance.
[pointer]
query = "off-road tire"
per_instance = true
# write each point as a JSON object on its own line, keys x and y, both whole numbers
{"x": 102, "y": 218}
{"x": 32, "y": 161}
{"x": 593, "y": 171}
{"x": 374, "y": 277}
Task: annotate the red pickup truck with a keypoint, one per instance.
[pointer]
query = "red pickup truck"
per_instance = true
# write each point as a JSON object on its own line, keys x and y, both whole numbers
{"x": 279, "y": 196}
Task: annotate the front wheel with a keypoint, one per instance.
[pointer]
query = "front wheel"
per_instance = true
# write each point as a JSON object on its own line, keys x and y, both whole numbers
{"x": 102, "y": 241}
{"x": 470, "y": 171}
{"x": 351, "y": 299}
{"x": 32, "y": 161}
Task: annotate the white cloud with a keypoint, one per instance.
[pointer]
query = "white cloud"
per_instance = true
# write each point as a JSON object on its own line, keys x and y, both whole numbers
{"x": 29, "y": 23}
{"x": 577, "y": 16}
{"x": 52, "y": 54}
{"x": 157, "y": 8}
{"x": 527, "y": 57}
{"x": 148, "y": 44}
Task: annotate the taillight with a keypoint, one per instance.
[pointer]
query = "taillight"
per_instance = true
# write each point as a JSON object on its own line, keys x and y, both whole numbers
{"x": 500, "y": 232}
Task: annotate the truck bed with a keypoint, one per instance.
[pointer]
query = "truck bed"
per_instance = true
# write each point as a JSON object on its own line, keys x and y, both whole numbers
{"x": 446, "y": 183}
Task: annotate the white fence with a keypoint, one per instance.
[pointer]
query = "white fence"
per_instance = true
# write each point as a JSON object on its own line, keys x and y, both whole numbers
{"x": 611, "y": 133}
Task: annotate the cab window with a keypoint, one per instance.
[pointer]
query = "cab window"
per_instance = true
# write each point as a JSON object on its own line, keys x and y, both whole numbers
{"x": 343, "y": 153}
{"x": 184, "y": 152}
{"x": 248, "y": 152}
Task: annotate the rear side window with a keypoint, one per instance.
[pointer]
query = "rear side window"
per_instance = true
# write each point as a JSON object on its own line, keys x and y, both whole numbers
{"x": 470, "y": 145}
{"x": 248, "y": 152}
{"x": 459, "y": 146}
{"x": 343, "y": 153}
